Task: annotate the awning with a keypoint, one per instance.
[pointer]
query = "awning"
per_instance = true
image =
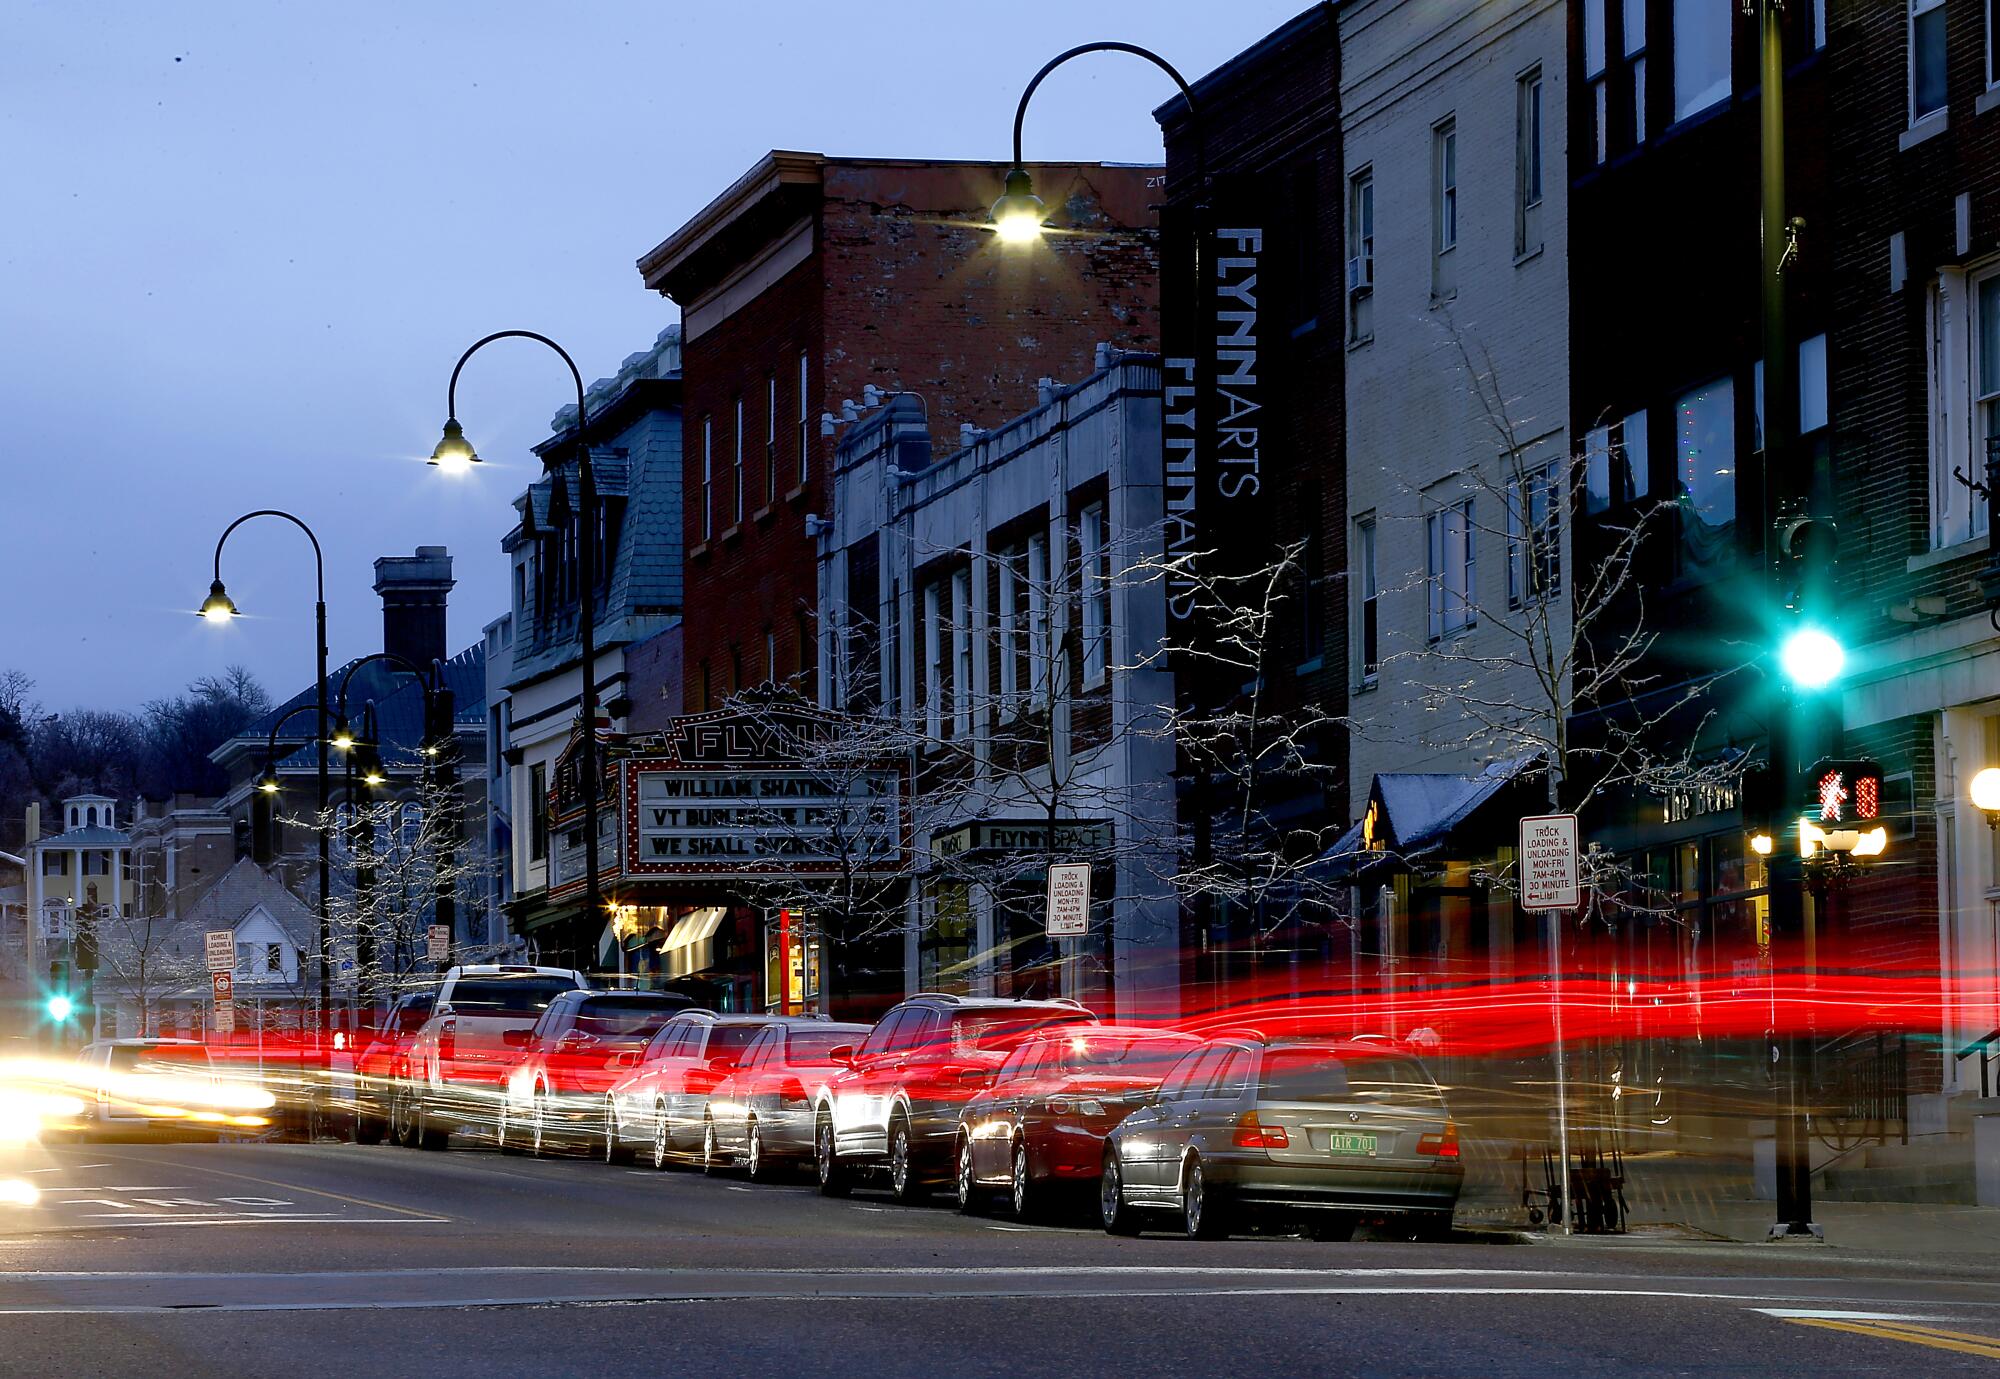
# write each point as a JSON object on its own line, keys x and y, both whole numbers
{"x": 687, "y": 947}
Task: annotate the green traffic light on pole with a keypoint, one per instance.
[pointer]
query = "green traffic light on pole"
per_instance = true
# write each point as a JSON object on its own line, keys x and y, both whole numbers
{"x": 1812, "y": 658}
{"x": 61, "y": 1007}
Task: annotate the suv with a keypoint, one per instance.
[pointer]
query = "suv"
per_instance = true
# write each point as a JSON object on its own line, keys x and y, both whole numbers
{"x": 894, "y": 1103}
{"x": 460, "y": 1058}
{"x": 584, "y": 1044}
{"x": 383, "y": 1064}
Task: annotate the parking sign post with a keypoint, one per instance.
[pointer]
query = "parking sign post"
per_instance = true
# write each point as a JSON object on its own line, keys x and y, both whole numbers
{"x": 1549, "y": 883}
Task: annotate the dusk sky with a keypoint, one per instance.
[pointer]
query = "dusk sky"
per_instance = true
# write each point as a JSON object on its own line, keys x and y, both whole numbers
{"x": 245, "y": 243}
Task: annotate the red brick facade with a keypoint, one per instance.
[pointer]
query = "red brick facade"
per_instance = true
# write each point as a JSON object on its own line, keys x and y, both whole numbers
{"x": 900, "y": 285}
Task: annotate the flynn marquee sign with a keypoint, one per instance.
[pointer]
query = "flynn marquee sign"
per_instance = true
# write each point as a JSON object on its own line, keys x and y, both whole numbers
{"x": 736, "y": 795}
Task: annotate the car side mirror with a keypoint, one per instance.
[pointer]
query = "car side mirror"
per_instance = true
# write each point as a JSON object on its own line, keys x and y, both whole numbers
{"x": 841, "y": 1053}
{"x": 517, "y": 1038}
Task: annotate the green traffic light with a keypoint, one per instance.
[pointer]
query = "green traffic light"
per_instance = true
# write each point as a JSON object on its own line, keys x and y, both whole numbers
{"x": 61, "y": 1008}
{"x": 1812, "y": 658}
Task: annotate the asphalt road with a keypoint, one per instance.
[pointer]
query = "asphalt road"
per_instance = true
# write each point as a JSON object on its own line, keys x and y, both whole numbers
{"x": 251, "y": 1259}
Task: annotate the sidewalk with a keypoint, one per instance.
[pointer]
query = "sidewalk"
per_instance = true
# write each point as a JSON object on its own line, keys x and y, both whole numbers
{"x": 1680, "y": 1197}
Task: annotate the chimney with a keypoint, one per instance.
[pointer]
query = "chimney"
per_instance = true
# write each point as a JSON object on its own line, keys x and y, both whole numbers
{"x": 33, "y": 831}
{"x": 414, "y": 589}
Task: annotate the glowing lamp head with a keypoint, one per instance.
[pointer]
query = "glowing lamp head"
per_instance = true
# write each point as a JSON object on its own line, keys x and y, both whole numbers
{"x": 217, "y": 607}
{"x": 1985, "y": 790}
{"x": 61, "y": 1007}
{"x": 1761, "y": 844}
{"x": 268, "y": 782}
{"x": 454, "y": 453}
{"x": 343, "y": 737}
{"x": 1811, "y": 658}
{"x": 1018, "y": 214}
{"x": 371, "y": 776}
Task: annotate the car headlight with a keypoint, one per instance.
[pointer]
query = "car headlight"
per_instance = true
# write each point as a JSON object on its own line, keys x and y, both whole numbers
{"x": 1087, "y": 1107}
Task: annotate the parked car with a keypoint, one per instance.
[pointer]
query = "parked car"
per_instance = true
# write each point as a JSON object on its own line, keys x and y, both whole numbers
{"x": 571, "y": 1057}
{"x": 662, "y": 1101}
{"x": 760, "y": 1115}
{"x": 460, "y": 1057}
{"x": 1314, "y": 1131}
{"x": 383, "y": 1063}
{"x": 1043, "y": 1121}
{"x": 894, "y": 1104}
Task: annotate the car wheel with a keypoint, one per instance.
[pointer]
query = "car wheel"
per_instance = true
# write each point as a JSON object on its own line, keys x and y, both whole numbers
{"x": 970, "y": 1199}
{"x": 755, "y": 1162}
{"x": 663, "y": 1151}
{"x": 430, "y": 1136}
{"x": 711, "y": 1151}
{"x": 1118, "y": 1218}
{"x": 507, "y": 1137}
{"x": 906, "y": 1182}
{"x": 538, "y": 1146}
{"x": 368, "y": 1129}
{"x": 1331, "y": 1227}
{"x": 403, "y": 1119}
{"x": 827, "y": 1167}
{"x": 616, "y": 1151}
{"x": 1201, "y": 1213}
{"x": 1021, "y": 1196}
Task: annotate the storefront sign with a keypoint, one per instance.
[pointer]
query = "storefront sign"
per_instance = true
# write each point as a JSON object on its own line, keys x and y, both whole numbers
{"x": 989, "y": 836}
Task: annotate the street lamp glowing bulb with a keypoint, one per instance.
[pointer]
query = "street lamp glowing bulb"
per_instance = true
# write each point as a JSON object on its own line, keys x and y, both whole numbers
{"x": 1761, "y": 844}
{"x": 1985, "y": 789}
{"x": 1812, "y": 659}
{"x": 454, "y": 453}
{"x": 217, "y": 607}
{"x": 1018, "y": 214}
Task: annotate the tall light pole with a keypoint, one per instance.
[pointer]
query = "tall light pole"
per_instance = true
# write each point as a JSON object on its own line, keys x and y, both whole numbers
{"x": 219, "y": 608}
{"x": 454, "y": 453}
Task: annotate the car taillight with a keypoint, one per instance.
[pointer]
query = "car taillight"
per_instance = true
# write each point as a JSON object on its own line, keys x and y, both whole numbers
{"x": 1444, "y": 1146}
{"x": 1250, "y": 1134}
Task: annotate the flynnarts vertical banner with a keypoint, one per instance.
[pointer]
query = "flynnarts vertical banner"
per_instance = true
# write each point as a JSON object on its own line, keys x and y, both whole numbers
{"x": 1213, "y": 406}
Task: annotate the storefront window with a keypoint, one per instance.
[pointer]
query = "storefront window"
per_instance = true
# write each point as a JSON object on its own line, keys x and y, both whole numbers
{"x": 944, "y": 948}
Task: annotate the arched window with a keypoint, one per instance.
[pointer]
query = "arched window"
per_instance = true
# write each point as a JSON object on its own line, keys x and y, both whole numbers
{"x": 93, "y": 816}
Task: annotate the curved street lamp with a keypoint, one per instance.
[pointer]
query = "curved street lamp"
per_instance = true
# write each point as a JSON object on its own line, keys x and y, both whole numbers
{"x": 218, "y": 607}
{"x": 454, "y": 454}
{"x": 1019, "y": 214}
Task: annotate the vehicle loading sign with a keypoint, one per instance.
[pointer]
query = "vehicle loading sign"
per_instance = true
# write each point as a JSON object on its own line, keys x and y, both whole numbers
{"x": 1548, "y": 863}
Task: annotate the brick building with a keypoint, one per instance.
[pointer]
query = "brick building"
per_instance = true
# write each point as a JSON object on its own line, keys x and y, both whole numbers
{"x": 813, "y": 279}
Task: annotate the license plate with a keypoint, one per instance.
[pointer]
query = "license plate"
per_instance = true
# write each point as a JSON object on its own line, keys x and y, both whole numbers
{"x": 1351, "y": 1142}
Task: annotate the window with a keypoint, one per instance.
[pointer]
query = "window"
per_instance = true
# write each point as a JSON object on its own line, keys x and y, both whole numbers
{"x": 1614, "y": 464}
{"x": 1701, "y": 54}
{"x": 770, "y": 654}
{"x": 1528, "y": 163}
{"x": 934, "y": 664}
{"x": 1010, "y": 619}
{"x": 961, "y": 652}
{"x": 1361, "y": 253}
{"x": 1448, "y": 539}
{"x": 1962, "y": 348}
{"x": 1635, "y": 63}
{"x": 707, "y": 477}
{"x": 805, "y": 413}
{"x": 1705, "y": 472}
{"x": 55, "y": 864}
{"x": 538, "y": 812}
{"x": 1992, "y": 37}
{"x": 1444, "y": 208}
{"x": 274, "y": 959}
{"x": 736, "y": 507}
{"x": 1594, "y": 75}
{"x": 1041, "y": 654}
{"x": 1094, "y": 565}
{"x": 96, "y": 863}
{"x": 1926, "y": 59}
{"x": 1365, "y": 581}
{"x": 770, "y": 440}
{"x": 1534, "y": 537}
{"x": 808, "y": 651}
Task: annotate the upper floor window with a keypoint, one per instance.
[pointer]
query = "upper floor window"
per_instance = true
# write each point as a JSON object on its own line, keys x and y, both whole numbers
{"x": 1701, "y": 54}
{"x": 805, "y": 413}
{"x": 1370, "y": 594}
{"x": 538, "y": 811}
{"x": 736, "y": 505}
{"x": 1444, "y": 208}
{"x": 1992, "y": 39}
{"x": 1360, "y": 254}
{"x": 770, "y": 440}
{"x": 1449, "y": 562}
{"x": 707, "y": 477}
{"x": 1962, "y": 349}
{"x": 1615, "y": 464}
{"x": 1094, "y": 564}
{"x": 1594, "y": 76}
{"x": 1534, "y": 536}
{"x": 1927, "y": 85}
{"x": 1705, "y": 472}
{"x": 1635, "y": 64}
{"x": 1528, "y": 162}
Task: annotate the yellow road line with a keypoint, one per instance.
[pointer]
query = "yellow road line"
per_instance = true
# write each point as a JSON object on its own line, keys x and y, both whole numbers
{"x": 292, "y": 1187}
{"x": 1965, "y": 1343}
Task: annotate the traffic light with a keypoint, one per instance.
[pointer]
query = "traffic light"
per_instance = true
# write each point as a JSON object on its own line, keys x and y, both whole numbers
{"x": 1845, "y": 792}
{"x": 60, "y": 1007}
{"x": 57, "y": 1005}
{"x": 1806, "y": 550}
{"x": 1811, "y": 657}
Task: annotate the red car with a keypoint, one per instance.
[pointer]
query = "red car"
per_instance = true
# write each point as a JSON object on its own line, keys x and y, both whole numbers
{"x": 384, "y": 1064}
{"x": 1043, "y": 1121}
{"x": 583, "y": 1044}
